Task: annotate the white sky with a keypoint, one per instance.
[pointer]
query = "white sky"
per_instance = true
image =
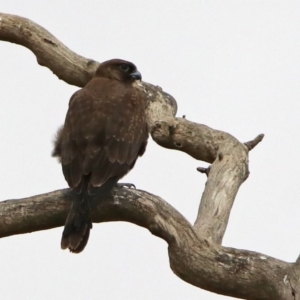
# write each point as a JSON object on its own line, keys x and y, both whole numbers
{"x": 232, "y": 65}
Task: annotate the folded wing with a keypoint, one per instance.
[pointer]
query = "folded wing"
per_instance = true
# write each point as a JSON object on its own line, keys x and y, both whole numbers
{"x": 104, "y": 133}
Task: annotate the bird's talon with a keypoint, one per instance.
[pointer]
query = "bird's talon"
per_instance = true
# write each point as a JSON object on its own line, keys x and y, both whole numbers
{"x": 126, "y": 185}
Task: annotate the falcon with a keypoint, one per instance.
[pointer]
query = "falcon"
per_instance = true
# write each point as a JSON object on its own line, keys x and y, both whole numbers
{"x": 105, "y": 131}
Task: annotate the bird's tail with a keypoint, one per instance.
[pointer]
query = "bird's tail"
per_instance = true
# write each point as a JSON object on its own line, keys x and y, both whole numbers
{"x": 78, "y": 224}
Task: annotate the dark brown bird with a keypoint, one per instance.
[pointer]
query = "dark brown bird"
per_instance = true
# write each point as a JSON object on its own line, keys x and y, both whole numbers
{"x": 104, "y": 133}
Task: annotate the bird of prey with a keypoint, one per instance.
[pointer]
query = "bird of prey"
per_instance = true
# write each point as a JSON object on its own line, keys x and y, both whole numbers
{"x": 105, "y": 131}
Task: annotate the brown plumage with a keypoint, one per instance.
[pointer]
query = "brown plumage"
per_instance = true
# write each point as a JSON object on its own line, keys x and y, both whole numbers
{"x": 104, "y": 133}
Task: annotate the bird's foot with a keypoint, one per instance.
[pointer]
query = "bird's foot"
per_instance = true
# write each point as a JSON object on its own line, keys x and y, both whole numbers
{"x": 126, "y": 185}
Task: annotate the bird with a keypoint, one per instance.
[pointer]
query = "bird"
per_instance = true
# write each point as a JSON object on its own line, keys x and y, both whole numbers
{"x": 104, "y": 133}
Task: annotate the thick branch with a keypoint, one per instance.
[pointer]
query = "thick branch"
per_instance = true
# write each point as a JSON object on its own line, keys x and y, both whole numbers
{"x": 49, "y": 51}
{"x": 237, "y": 273}
{"x": 228, "y": 171}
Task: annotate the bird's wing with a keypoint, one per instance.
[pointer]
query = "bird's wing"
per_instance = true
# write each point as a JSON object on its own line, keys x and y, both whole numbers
{"x": 104, "y": 133}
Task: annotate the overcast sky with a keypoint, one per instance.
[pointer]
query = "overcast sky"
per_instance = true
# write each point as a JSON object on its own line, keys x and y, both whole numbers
{"x": 232, "y": 65}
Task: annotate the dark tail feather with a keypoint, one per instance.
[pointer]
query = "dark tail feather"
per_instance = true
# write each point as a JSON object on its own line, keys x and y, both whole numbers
{"x": 78, "y": 224}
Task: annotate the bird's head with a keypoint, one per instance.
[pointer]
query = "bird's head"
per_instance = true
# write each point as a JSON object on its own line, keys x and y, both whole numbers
{"x": 118, "y": 69}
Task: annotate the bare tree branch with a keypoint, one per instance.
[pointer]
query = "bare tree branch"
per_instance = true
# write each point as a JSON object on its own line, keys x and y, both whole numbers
{"x": 49, "y": 51}
{"x": 195, "y": 252}
{"x": 227, "y": 271}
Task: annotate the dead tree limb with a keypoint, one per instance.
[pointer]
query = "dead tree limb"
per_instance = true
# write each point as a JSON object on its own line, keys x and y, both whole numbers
{"x": 195, "y": 252}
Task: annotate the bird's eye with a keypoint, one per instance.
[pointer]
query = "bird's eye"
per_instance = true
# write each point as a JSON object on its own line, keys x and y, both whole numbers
{"x": 124, "y": 67}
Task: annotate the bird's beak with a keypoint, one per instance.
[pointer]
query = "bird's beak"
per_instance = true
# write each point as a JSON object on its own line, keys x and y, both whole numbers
{"x": 136, "y": 75}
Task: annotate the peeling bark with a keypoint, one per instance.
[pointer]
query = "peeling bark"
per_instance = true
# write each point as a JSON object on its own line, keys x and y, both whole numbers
{"x": 196, "y": 253}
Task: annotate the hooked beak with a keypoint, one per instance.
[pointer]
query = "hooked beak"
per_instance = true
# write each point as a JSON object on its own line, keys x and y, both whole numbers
{"x": 136, "y": 75}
